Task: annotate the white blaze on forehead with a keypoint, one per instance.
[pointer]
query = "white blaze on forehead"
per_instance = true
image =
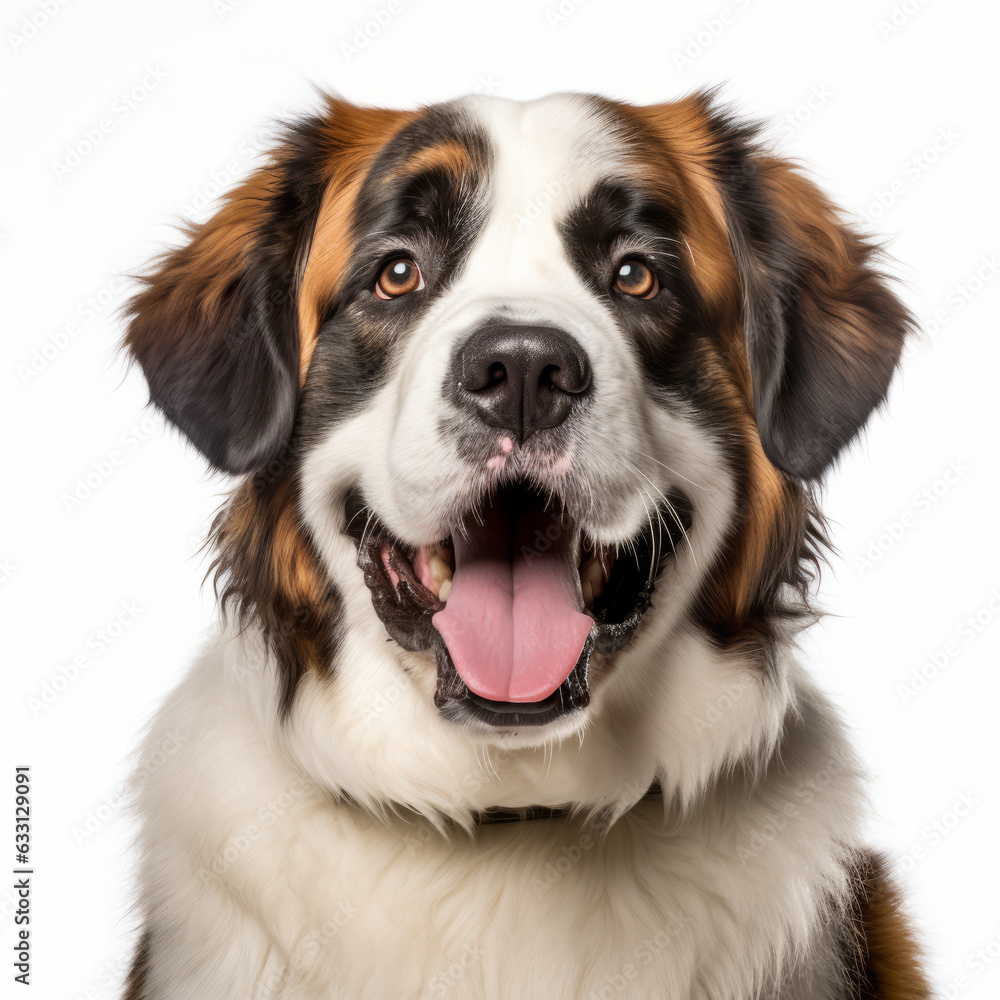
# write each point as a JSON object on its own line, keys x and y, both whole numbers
{"x": 547, "y": 155}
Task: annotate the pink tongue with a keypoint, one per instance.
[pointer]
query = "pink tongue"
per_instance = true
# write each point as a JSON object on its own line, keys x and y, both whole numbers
{"x": 513, "y": 628}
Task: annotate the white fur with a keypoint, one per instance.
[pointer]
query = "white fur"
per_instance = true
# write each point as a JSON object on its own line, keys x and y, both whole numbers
{"x": 332, "y": 855}
{"x": 315, "y": 897}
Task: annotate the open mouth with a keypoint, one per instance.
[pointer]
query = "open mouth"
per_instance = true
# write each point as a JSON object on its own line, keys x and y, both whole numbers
{"x": 514, "y": 602}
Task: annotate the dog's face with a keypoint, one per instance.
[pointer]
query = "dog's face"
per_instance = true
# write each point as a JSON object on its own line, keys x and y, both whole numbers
{"x": 536, "y": 389}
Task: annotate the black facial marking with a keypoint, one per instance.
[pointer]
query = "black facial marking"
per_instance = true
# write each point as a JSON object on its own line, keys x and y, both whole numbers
{"x": 431, "y": 216}
{"x": 673, "y": 332}
{"x": 618, "y": 222}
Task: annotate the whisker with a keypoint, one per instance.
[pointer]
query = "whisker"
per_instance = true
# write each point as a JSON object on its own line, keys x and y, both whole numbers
{"x": 654, "y": 560}
{"x": 368, "y": 524}
{"x": 361, "y": 510}
{"x": 672, "y": 510}
{"x": 655, "y": 553}
{"x": 674, "y": 472}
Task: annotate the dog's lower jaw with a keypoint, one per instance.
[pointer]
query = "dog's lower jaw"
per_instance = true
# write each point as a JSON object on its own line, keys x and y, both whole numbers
{"x": 255, "y": 876}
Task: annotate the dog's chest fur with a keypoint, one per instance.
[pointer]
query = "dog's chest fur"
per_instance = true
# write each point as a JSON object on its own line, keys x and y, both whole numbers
{"x": 319, "y": 899}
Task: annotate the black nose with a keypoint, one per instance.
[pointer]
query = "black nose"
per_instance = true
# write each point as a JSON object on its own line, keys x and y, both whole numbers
{"x": 521, "y": 378}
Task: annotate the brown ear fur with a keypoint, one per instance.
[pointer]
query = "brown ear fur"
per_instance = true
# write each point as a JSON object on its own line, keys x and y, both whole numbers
{"x": 823, "y": 330}
{"x": 215, "y": 330}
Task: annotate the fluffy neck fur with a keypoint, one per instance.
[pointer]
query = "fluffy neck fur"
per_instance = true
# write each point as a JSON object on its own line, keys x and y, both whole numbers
{"x": 268, "y": 827}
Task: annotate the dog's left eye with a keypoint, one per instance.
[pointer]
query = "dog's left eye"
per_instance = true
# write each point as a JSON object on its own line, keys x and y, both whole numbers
{"x": 634, "y": 278}
{"x": 397, "y": 278}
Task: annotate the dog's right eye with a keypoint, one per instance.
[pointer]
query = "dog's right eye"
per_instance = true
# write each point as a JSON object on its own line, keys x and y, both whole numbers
{"x": 397, "y": 278}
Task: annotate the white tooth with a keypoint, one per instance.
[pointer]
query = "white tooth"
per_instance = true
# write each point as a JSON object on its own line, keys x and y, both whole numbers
{"x": 445, "y": 590}
{"x": 440, "y": 570}
{"x": 592, "y": 576}
{"x": 588, "y": 594}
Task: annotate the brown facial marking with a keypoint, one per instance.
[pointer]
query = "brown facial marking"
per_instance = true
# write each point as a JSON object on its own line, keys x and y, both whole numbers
{"x": 449, "y": 155}
{"x": 353, "y": 139}
{"x": 674, "y": 146}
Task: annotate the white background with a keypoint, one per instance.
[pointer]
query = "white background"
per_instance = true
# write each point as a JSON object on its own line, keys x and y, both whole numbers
{"x": 861, "y": 91}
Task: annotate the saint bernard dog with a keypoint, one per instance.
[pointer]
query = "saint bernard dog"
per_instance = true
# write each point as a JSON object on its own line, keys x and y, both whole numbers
{"x": 529, "y": 402}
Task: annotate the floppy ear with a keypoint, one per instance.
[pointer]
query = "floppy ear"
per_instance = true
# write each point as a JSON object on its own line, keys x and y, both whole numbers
{"x": 823, "y": 330}
{"x": 215, "y": 328}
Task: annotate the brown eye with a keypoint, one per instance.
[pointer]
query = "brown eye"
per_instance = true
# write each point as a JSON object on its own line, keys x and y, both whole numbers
{"x": 397, "y": 278}
{"x": 634, "y": 278}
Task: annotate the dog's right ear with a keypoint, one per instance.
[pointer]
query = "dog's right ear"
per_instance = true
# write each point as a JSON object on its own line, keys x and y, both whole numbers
{"x": 215, "y": 327}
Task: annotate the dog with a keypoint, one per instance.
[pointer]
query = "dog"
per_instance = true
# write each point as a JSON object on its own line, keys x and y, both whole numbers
{"x": 528, "y": 402}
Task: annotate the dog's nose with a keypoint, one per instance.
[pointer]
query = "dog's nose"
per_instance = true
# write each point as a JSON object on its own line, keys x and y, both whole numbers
{"x": 521, "y": 378}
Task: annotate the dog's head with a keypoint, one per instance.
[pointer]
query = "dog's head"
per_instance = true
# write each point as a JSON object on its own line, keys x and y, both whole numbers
{"x": 552, "y": 379}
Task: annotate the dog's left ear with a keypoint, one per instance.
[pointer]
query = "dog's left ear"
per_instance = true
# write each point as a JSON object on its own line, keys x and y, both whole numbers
{"x": 215, "y": 327}
{"x": 823, "y": 329}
